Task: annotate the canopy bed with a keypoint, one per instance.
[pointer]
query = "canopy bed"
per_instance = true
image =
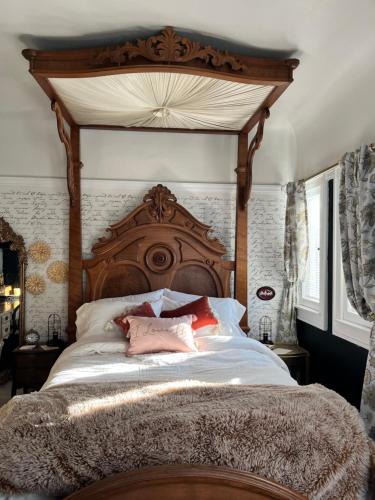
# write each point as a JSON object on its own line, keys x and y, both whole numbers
{"x": 226, "y": 401}
{"x": 164, "y": 83}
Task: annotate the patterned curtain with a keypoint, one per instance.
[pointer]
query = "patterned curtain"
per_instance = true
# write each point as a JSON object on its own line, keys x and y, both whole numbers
{"x": 357, "y": 228}
{"x": 295, "y": 257}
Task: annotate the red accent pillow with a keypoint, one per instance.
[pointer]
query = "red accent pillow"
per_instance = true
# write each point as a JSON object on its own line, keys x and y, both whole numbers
{"x": 200, "y": 307}
{"x": 145, "y": 310}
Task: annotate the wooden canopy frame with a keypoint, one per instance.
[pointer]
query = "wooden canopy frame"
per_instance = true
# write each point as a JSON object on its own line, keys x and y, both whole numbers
{"x": 170, "y": 53}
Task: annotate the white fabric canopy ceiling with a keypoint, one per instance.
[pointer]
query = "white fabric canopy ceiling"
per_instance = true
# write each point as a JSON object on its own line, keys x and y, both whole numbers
{"x": 165, "y": 100}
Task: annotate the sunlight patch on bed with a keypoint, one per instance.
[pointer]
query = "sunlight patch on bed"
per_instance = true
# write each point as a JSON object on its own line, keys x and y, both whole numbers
{"x": 130, "y": 396}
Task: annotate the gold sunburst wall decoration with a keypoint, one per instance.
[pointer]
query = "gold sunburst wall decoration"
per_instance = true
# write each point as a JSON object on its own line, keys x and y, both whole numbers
{"x": 39, "y": 252}
{"x": 57, "y": 272}
{"x": 35, "y": 284}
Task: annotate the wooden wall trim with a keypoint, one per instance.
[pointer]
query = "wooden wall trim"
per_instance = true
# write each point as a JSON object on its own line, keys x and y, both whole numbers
{"x": 240, "y": 279}
{"x": 75, "y": 295}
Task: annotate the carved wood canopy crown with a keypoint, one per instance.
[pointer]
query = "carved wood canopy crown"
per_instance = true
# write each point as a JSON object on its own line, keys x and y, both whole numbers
{"x": 16, "y": 240}
{"x": 167, "y": 47}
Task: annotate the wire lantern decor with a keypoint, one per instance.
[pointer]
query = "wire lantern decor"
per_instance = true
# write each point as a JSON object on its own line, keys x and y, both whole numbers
{"x": 265, "y": 330}
{"x": 54, "y": 330}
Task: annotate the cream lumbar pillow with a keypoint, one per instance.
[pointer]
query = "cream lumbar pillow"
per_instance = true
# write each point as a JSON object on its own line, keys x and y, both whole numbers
{"x": 147, "y": 335}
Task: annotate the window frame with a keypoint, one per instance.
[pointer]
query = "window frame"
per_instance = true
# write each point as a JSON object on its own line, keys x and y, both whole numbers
{"x": 345, "y": 323}
{"x": 312, "y": 311}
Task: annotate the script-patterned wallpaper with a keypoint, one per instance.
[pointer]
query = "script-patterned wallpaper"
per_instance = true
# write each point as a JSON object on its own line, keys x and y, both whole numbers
{"x": 37, "y": 208}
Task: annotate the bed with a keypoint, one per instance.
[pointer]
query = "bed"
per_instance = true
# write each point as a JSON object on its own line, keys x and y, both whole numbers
{"x": 225, "y": 419}
{"x": 230, "y": 403}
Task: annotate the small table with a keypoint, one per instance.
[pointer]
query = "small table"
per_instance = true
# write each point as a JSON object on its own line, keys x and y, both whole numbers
{"x": 31, "y": 367}
{"x": 297, "y": 360}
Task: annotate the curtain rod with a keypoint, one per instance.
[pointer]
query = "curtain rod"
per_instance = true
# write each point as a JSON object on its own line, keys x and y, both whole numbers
{"x": 372, "y": 146}
{"x": 322, "y": 171}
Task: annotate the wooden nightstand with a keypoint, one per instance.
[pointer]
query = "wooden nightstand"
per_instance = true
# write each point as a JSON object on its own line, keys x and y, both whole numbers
{"x": 31, "y": 367}
{"x": 297, "y": 360}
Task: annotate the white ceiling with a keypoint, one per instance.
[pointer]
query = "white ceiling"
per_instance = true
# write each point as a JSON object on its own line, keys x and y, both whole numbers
{"x": 329, "y": 108}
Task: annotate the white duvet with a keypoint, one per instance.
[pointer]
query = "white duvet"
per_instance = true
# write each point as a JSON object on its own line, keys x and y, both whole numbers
{"x": 221, "y": 359}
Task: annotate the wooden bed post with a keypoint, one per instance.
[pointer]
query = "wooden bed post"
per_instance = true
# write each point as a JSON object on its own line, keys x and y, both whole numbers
{"x": 73, "y": 166}
{"x": 75, "y": 237}
{"x": 240, "y": 277}
{"x": 244, "y": 172}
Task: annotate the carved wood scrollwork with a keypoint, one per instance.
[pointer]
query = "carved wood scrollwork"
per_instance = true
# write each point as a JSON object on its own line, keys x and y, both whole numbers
{"x": 158, "y": 245}
{"x": 167, "y": 47}
{"x": 159, "y": 199}
{"x": 159, "y": 207}
{"x": 255, "y": 143}
{"x": 17, "y": 242}
{"x": 65, "y": 139}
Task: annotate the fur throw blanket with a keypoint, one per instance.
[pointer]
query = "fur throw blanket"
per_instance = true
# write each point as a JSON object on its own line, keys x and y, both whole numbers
{"x": 308, "y": 438}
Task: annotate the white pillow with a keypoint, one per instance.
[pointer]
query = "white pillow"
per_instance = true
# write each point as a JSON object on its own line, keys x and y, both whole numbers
{"x": 230, "y": 329}
{"x": 227, "y": 310}
{"x": 93, "y": 317}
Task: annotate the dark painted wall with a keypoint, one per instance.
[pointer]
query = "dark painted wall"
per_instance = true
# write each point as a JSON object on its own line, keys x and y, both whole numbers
{"x": 334, "y": 362}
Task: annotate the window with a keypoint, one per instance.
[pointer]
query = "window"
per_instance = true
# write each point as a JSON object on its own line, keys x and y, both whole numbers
{"x": 346, "y": 323}
{"x": 312, "y": 294}
{"x": 322, "y": 296}
{"x": 311, "y": 283}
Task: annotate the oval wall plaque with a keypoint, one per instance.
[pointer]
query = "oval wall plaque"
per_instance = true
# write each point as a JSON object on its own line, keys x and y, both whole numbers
{"x": 265, "y": 293}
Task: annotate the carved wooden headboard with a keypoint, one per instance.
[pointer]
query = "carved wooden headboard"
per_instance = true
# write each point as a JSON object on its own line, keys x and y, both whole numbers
{"x": 158, "y": 245}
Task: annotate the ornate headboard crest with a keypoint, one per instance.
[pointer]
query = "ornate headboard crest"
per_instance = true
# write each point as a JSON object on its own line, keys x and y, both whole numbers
{"x": 158, "y": 245}
{"x": 160, "y": 198}
{"x": 160, "y": 206}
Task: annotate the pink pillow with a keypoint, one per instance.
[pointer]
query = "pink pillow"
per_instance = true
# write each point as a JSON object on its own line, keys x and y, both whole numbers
{"x": 148, "y": 335}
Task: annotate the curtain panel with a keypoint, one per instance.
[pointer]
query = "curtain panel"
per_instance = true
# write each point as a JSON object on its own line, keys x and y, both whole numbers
{"x": 357, "y": 230}
{"x": 295, "y": 258}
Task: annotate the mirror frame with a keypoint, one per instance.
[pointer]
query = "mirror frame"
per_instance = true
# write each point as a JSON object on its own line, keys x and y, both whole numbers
{"x": 17, "y": 244}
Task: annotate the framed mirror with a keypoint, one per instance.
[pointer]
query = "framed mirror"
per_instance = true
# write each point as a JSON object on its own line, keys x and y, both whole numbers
{"x": 13, "y": 261}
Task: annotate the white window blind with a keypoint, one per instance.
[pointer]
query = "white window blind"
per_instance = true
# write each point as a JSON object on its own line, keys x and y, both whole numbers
{"x": 312, "y": 303}
{"x": 311, "y": 282}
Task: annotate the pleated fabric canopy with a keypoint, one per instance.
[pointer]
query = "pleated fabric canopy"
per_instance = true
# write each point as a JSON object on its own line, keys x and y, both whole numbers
{"x": 164, "y": 82}
{"x": 160, "y": 100}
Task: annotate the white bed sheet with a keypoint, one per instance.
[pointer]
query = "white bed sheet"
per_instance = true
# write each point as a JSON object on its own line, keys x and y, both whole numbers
{"x": 221, "y": 359}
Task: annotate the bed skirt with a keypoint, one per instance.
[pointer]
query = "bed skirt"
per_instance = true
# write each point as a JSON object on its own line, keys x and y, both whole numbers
{"x": 61, "y": 439}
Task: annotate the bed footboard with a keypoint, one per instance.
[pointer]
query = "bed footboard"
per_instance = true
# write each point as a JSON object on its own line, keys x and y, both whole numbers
{"x": 184, "y": 482}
